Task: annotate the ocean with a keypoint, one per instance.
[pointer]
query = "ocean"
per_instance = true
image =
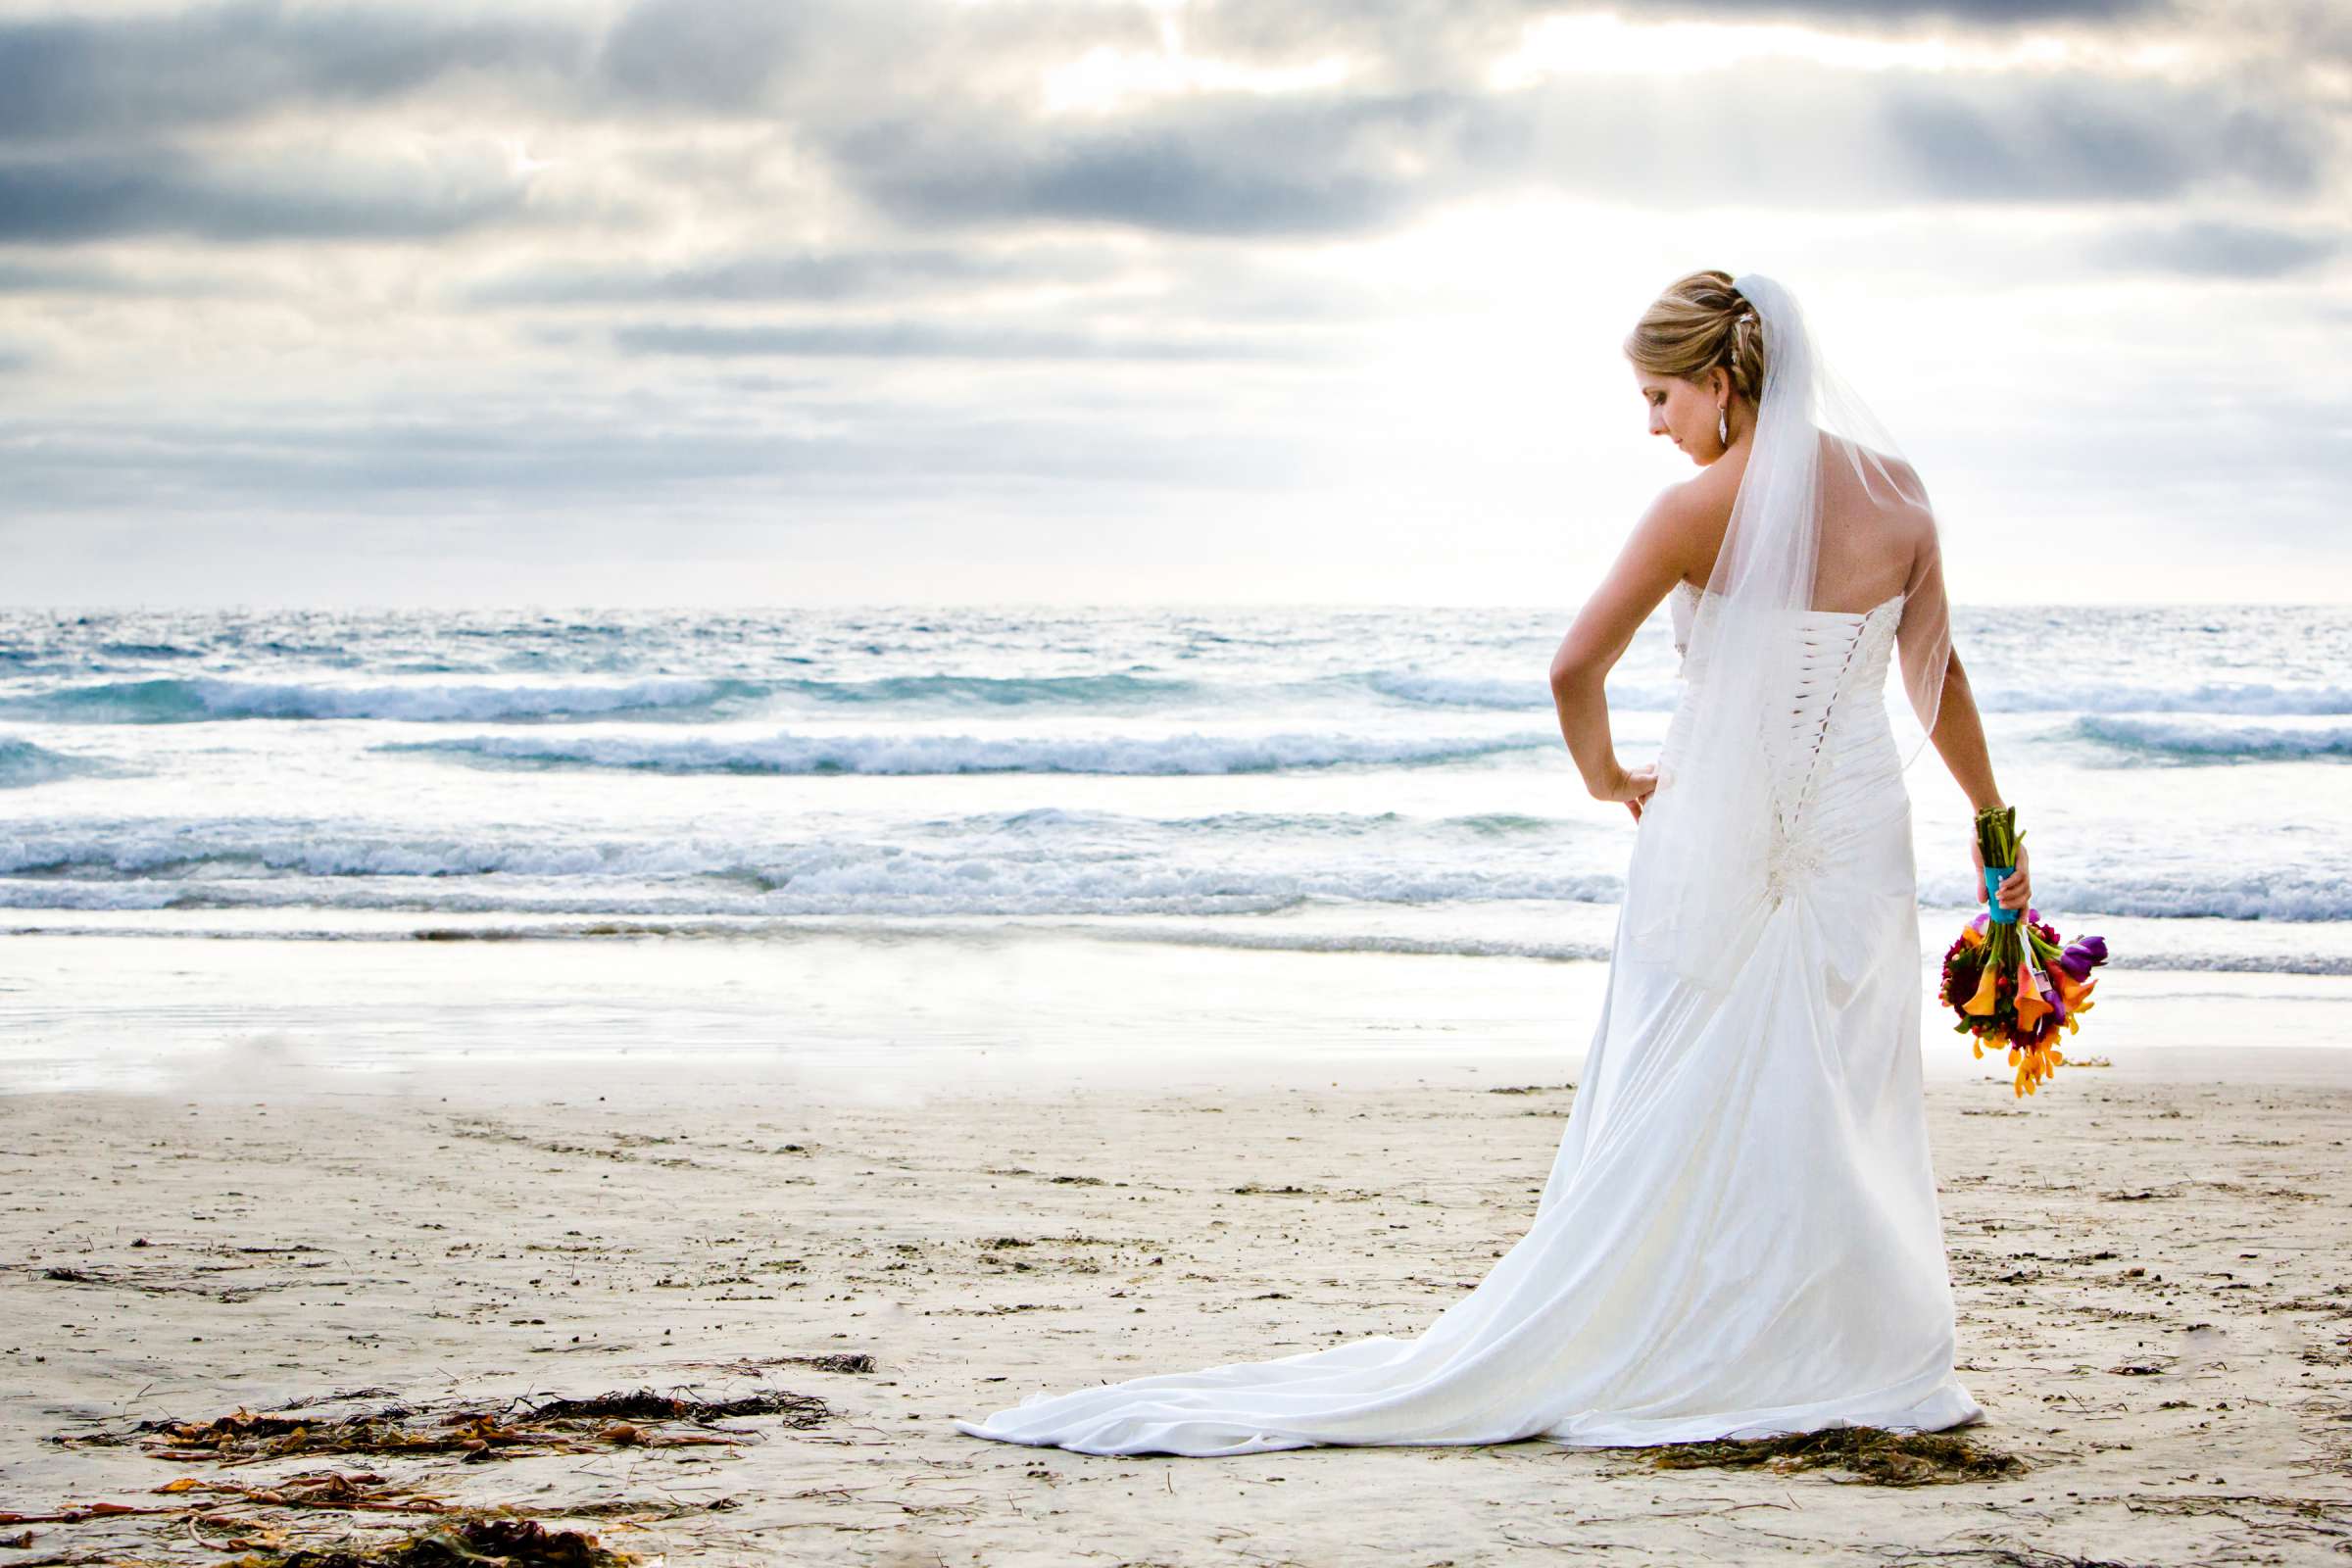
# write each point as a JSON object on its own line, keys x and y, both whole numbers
{"x": 1314, "y": 779}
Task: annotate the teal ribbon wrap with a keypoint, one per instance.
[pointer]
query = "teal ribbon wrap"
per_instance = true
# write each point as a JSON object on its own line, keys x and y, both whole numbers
{"x": 1994, "y": 876}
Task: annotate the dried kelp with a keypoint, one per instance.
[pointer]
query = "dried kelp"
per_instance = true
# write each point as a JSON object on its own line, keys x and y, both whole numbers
{"x": 1872, "y": 1454}
{"x": 754, "y": 1366}
{"x": 799, "y": 1409}
{"x": 465, "y": 1544}
{"x": 341, "y": 1490}
{"x": 232, "y": 1516}
{"x": 472, "y": 1431}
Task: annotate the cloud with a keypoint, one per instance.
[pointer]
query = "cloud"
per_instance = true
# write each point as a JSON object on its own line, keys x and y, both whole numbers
{"x": 932, "y": 116}
{"x": 1432, "y": 42}
{"x": 850, "y": 273}
{"x": 2085, "y": 139}
{"x": 1252, "y": 170}
{"x": 91, "y": 277}
{"x": 1980, "y": 13}
{"x": 2208, "y": 248}
{"x": 148, "y": 73}
{"x": 712, "y": 56}
{"x": 616, "y": 455}
{"x": 1340, "y": 164}
{"x": 931, "y": 340}
{"x": 62, "y": 200}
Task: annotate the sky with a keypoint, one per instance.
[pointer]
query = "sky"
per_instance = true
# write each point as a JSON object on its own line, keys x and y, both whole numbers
{"x": 825, "y": 302}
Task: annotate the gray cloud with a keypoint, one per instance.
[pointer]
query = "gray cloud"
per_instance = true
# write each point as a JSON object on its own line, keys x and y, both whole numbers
{"x": 144, "y": 74}
{"x": 62, "y": 200}
{"x": 1982, "y": 13}
{"x": 1333, "y": 164}
{"x": 712, "y": 56}
{"x": 2207, "y": 248}
{"x": 847, "y": 274}
{"x": 150, "y": 71}
{"x": 2089, "y": 140}
{"x": 1255, "y": 170}
{"x": 932, "y": 340}
{"x": 648, "y": 453}
{"x": 1449, "y": 42}
{"x": 927, "y": 112}
{"x": 92, "y": 276}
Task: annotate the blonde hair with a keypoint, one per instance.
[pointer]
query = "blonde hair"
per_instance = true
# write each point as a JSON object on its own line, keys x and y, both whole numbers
{"x": 1699, "y": 322}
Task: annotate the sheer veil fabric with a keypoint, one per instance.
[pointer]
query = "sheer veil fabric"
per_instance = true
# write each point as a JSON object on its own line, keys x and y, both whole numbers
{"x": 1828, "y": 517}
{"x": 1741, "y": 1234}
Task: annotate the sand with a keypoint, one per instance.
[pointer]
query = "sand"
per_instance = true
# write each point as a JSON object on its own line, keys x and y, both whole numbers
{"x": 2153, "y": 1306}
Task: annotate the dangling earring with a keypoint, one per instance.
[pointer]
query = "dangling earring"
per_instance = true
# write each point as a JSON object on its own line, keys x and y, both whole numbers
{"x": 1723, "y": 425}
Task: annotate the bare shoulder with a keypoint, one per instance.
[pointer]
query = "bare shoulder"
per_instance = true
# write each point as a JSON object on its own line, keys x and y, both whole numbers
{"x": 1891, "y": 486}
{"x": 1913, "y": 519}
{"x": 1910, "y": 490}
{"x": 1915, "y": 514}
{"x": 1687, "y": 519}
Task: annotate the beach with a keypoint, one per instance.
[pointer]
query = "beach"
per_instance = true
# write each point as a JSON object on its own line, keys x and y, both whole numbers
{"x": 251, "y": 1173}
{"x": 810, "y": 1028}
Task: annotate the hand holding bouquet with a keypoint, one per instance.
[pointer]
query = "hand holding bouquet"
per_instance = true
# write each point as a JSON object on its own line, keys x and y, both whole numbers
{"x": 2008, "y": 979}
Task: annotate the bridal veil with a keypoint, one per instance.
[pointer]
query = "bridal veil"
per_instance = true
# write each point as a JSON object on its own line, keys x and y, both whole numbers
{"x": 1828, "y": 510}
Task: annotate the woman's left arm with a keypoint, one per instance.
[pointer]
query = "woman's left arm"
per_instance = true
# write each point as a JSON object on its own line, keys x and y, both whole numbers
{"x": 1645, "y": 571}
{"x": 1923, "y": 640}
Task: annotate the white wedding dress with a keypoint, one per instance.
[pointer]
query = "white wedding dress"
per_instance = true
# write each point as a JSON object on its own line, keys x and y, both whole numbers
{"x": 1741, "y": 1235}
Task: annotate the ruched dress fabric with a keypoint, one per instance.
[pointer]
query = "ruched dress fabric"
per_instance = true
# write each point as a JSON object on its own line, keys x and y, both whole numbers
{"x": 1739, "y": 1235}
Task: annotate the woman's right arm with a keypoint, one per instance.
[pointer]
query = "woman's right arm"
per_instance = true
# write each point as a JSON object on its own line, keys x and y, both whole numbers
{"x": 1654, "y": 558}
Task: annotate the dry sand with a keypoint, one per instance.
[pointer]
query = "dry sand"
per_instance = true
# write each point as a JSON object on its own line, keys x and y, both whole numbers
{"x": 2154, "y": 1312}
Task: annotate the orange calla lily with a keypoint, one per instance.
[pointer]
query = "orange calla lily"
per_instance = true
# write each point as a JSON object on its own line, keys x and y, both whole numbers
{"x": 2030, "y": 1006}
{"x": 2075, "y": 993}
{"x": 1984, "y": 1001}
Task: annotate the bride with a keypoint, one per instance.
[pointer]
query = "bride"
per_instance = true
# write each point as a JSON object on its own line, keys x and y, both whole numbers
{"x": 1739, "y": 1235}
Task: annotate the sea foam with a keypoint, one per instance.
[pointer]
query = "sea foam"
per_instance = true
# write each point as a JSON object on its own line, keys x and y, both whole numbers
{"x": 2214, "y": 742}
{"x": 176, "y": 701}
{"x": 970, "y": 754}
{"x": 23, "y": 764}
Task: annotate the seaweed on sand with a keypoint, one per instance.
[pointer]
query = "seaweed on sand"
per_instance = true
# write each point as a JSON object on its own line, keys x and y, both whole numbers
{"x": 456, "y": 1536}
{"x": 267, "y": 1519}
{"x": 466, "y": 1543}
{"x": 1874, "y": 1454}
{"x": 647, "y": 1405}
{"x": 476, "y": 1432}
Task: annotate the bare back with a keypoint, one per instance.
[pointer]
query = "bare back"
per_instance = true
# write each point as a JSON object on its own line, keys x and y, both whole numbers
{"x": 1870, "y": 529}
{"x": 1872, "y": 523}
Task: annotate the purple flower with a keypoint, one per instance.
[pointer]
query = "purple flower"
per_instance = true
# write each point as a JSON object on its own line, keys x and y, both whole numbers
{"x": 2094, "y": 947}
{"x": 2075, "y": 962}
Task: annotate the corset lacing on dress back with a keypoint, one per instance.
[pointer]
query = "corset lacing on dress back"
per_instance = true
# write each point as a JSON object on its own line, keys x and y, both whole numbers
{"x": 1837, "y": 739}
{"x": 1842, "y": 653}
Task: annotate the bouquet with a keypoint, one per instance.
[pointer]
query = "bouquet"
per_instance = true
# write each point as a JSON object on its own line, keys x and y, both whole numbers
{"x": 2009, "y": 979}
